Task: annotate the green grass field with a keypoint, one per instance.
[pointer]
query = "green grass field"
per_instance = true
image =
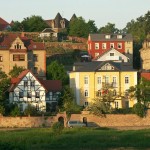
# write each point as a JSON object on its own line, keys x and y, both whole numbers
{"x": 74, "y": 139}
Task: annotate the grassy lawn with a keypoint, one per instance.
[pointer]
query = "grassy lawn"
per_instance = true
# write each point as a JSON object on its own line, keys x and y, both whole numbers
{"x": 74, "y": 139}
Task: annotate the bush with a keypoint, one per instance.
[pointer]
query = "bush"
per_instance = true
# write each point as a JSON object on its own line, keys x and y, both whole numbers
{"x": 15, "y": 112}
{"x": 30, "y": 110}
{"x": 123, "y": 111}
{"x": 139, "y": 109}
{"x": 57, "y": 128}
{"x": 2, "y": 110}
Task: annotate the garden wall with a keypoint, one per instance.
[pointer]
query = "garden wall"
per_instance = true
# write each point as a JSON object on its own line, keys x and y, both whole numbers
{"x": 111, "y": 120}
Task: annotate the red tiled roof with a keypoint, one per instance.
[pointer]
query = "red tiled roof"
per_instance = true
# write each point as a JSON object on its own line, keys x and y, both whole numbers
{"x": 3, "y": 24}
{"x": 52, "y": 85}
{"x": 146, "y": 75}
{"x": 6, "y": 41}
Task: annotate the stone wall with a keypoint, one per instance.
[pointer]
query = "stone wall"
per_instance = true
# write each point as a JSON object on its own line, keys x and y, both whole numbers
{"x": 111, "y": 120}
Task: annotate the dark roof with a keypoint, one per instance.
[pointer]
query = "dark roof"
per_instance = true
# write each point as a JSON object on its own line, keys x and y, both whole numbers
{"x": 96, "y": 65}
{"x": 113, "y": 37}
{"x": 52, "y": 85}
{"x": 73, "y": 17}
{"x": 57, "y": 20}
{"x": 49, "y": 85}
{"x": 7, "y": 39}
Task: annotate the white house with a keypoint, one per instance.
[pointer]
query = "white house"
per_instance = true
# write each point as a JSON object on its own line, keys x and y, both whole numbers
{"x": 113, "y": 55}
{"x": 48, "y": 32}
{"x": 27, "y": 89}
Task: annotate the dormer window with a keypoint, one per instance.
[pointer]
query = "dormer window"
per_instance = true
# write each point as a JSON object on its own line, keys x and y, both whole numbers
{"x": 17, "y": 46}
{"x": 119, "y": 36}
{"x": 107, "y": 36}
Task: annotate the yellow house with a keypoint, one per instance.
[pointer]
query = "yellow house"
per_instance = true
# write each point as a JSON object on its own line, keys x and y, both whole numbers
{"x": 17, "y": 49}
{"x": 87, "y": 79}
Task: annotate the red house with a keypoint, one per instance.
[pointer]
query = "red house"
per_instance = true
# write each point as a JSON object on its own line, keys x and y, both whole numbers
{"x": 100, "y": 43}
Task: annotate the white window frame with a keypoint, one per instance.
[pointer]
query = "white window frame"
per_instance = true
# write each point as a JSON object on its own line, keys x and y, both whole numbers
{"x": 116, "y": 104}
{"x": 119, "y": 45}
{"x": 112, "y": 44}
{"x": 86, "y": 80}
{"x": 99, "y": 80}
{"x": 126, "y": 80}
{"x": 86, "y": 103}
{"x": 96, "y": 45}
{"x": 86, "y": 93}
{"x": 104, "y": 46}
{"x": 96, "y": 54}
{"x": 106, "y": 79}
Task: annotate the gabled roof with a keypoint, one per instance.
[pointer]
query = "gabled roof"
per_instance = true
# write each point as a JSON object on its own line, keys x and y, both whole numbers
{"x": 48, "y": 30}
{"x": 108, "y": 52}
{"x": 96, "y": 65}
{"x": 113, "y": 37}
{"x": 3, "y": 24}
{"x": 7, "y": 39}
{"x": 73, "y": 17}
{"x": 49, "y": 85}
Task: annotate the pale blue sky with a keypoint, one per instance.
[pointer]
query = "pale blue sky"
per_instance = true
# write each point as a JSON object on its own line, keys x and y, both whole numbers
{"x": 102, "y": 11}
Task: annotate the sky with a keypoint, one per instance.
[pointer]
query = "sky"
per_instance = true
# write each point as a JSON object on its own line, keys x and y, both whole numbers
{"x": 119, "y": 12}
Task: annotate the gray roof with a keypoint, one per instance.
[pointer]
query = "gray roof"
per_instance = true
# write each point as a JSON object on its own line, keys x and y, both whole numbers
{"x": 94, "y": 66}
{"x": 101, "y": 37}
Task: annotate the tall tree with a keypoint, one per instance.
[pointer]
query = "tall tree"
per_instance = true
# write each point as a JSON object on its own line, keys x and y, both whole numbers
{"x": 109, "y": 28}
{"x": 56, "y": 71}
{"x": 34, "y": 24}
{"x": 17, "y": 26}
{"x": 91, "y": 26}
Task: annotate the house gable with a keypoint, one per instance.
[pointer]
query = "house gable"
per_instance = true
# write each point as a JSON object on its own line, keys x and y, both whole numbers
{"x": 17, "y": 44}
{"x": 107, "y": 67}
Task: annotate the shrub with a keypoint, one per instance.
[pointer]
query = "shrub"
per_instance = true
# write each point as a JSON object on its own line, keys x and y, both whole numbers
{"x": 57, "y": 128}
{"x": 2, "y": 110}
{"x": 15, "y": 112}
{"x": 139, "y": 109}
{"x": 30, "y": 110}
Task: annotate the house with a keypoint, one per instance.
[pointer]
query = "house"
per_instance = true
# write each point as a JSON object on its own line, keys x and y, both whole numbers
{"x": 58, "y": 23}
{"x": 88, "y": 78}
{"x": 48, "y": 32}
{"x": 100, "y": 43}
{"x": 17, "y": 49}
{"x": 145, "y": 57}
{"x": 4, "y": 25}
{"x": 113, "y": 55}
{"x": 28, "y": 89}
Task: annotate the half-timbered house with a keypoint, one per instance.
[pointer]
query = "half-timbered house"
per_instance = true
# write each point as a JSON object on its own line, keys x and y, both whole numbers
{"x": 27, "y": 89}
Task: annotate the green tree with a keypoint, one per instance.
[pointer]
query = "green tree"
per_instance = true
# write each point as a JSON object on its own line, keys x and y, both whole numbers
{"x": 102, "y": 104}
{"x": 34, "y": 24}
{"x": 16, "y": 71}
{"x": 91, "y": 26}
{"x": 17, "y": 26}
{"x": 56, "y": 71}
{"x": 78, "y": 27}
{"x": 109, "y": 28}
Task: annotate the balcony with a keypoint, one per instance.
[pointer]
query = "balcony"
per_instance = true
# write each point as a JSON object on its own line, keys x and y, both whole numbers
{"x": 110, "y": 84}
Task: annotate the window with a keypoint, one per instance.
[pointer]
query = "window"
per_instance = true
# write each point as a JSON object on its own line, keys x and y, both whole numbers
{"x": 116, "y": 104}
{"x": 37, "y": 94}
{"x": 106, "y": 79}
{"x": 18, "y": 57}
{"x": 21, "y": 107}
{"x": 126, "y": 80}
{"x": 111, "y": 54}
{"x": 119, "y": 45}
{"x": 107, "y": 36}
{"x": 119, "y": 36}
{"x": 1, "y": 58}
{"x": 96, "y": 54}
{"x": 99, "y": 80}
{"x": 20, "y": 94}
{"x": 17, "y": 46}
{"x": 25, "y": 83}
{"x": 86, "y": 103}
{"x": 35, "y": 70}
{"x": 98, "y": 93}
{"x": 29, "y": 94}
{"x": 86, "y": 94}
{"x": 35, "y": 57}
{"x": 111, "y": 45}
{"x": 86, "y": 80}
{"x": 114, "y": 93}
{"x": 114, "y": 81}
{"x": 96, "y": 45}
{"x": 103, "y": 45}
{"x": 32, "y": 83}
